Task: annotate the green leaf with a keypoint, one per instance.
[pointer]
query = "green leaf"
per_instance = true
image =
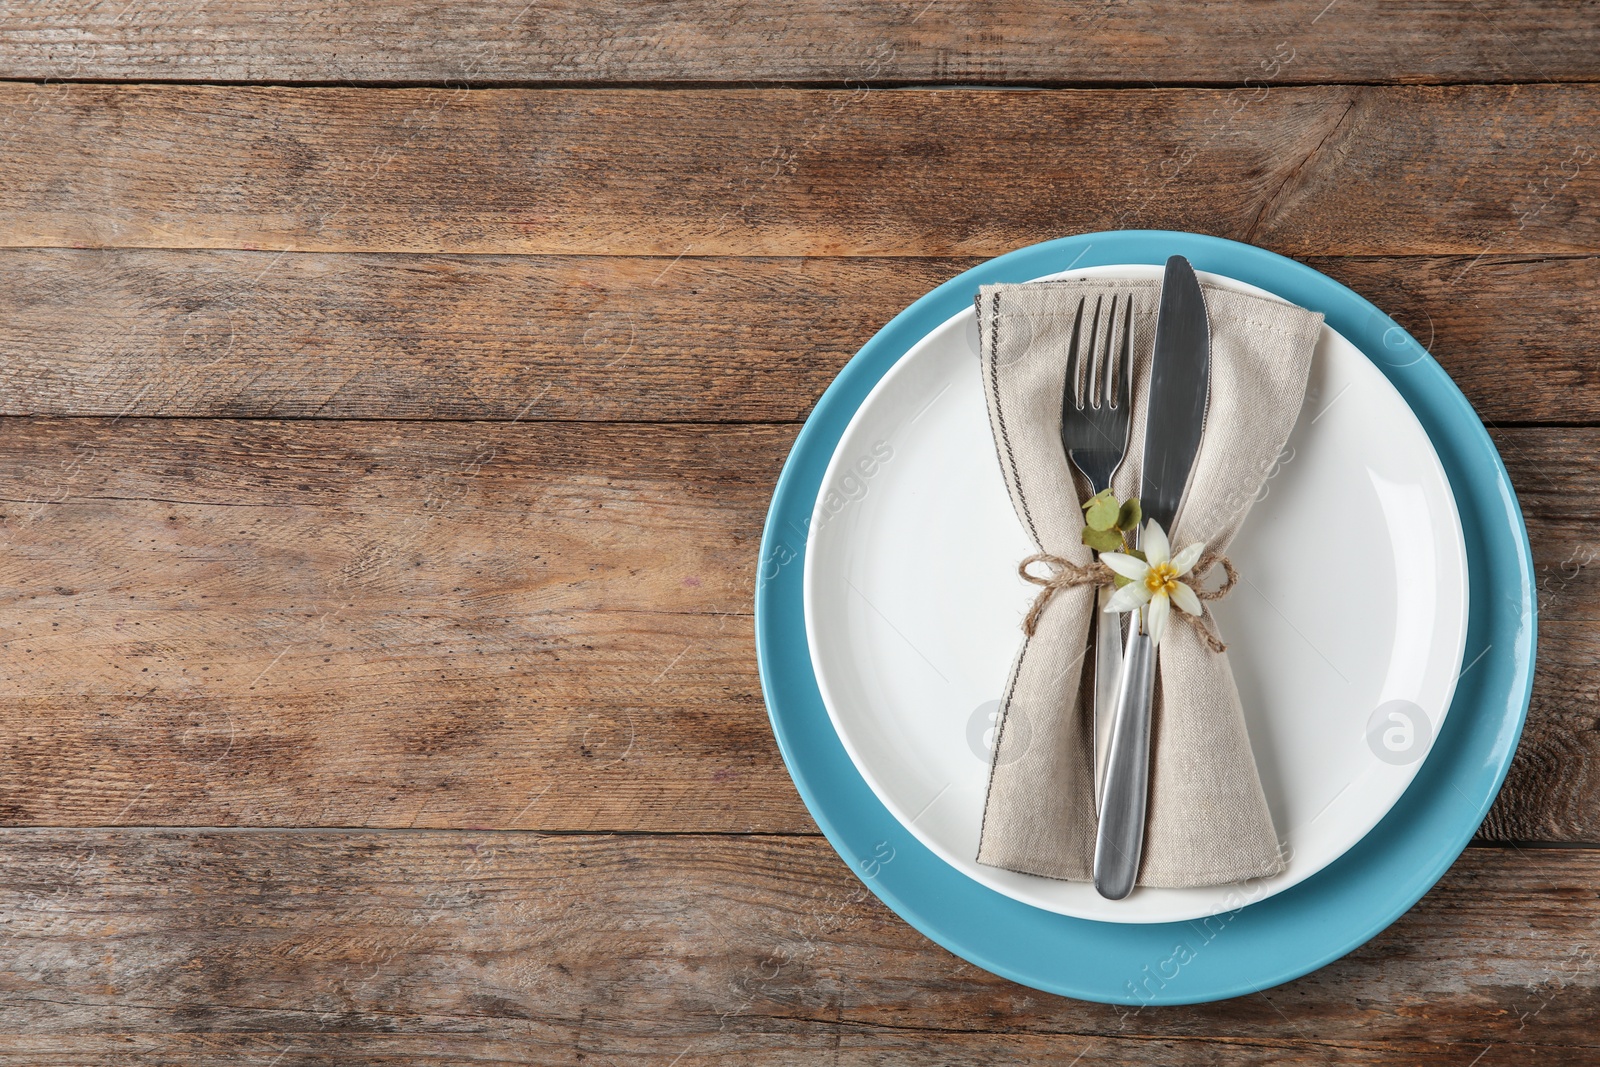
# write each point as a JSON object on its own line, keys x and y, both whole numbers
{"x": 1101, "y": 514}
{"x": 1098, "y": 502}
{"x": 1120, "y": 581}
{"x": 1129, "y": 517}
{"x": 1102, "y": 540}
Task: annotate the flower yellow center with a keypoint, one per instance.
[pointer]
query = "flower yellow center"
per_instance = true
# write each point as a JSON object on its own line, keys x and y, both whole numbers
{"x": 1161, "y": 578}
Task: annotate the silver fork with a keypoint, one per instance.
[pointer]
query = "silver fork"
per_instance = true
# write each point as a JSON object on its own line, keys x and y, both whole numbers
{"x": 1095, "y": 416}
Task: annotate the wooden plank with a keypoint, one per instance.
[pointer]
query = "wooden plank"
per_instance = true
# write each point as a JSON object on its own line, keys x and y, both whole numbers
{"x": 255, "y": 334}
{"x": 199, "y": 948}
{"x": 1306, "y": 171}
{"x": 510, "y": 626}
{"x": 1137, "y": 42}
{"x": 385, "y": 624}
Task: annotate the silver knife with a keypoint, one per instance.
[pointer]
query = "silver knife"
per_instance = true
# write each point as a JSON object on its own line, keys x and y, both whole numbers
{"x": 1180, "y": 378}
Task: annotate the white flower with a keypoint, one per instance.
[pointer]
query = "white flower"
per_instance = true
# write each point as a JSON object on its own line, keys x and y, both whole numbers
{"x": 1155, "y": 582}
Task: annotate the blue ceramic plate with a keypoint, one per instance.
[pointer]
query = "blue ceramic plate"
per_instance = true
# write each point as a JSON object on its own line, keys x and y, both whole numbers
{"x": 1259, "y": 945}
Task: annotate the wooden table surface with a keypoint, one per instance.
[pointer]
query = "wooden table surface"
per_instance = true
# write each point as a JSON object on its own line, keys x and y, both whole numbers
{"x": 392, "y": 394}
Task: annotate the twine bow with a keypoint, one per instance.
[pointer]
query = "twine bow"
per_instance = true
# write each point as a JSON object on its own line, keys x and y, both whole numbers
{"x": 1066, "y": 574}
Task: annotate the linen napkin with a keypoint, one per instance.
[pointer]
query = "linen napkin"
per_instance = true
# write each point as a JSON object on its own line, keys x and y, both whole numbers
{"x": 1208, "y": 821}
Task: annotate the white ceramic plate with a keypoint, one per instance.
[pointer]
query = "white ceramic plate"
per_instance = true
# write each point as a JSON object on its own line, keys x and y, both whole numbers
{"x": 1346, "y": 634}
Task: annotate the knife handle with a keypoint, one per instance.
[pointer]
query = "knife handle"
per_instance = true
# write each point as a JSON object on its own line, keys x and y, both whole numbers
{"x": 1125, "y": 793}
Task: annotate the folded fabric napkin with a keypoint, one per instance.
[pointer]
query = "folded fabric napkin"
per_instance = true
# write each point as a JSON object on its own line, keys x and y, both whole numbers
{"x": 1208, "y": 822}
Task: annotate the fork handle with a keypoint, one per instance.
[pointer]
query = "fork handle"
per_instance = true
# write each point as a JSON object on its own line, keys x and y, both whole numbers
{"x": 1107, "y": 669}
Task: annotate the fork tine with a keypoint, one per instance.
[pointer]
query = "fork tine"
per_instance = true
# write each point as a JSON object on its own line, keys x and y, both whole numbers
{"x": 1075, "y": 356}
{"x": 1125, "y": 360}
{"x": 1089, "y": 359}
{"x": 1107, "y": 362}
{"x": 1102, "y": 341}
{"x": 1092, "y": 357}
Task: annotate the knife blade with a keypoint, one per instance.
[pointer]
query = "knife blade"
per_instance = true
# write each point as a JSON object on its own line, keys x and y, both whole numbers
{"x": 1179, "y": 387}
{"x": 1180, "y": 377}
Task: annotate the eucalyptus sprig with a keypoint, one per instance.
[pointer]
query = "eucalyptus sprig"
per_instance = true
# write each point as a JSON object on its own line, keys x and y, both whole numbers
{"x": 1107, "y": 523}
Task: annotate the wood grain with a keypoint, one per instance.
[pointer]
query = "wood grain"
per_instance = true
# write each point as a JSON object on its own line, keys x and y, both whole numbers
{"x": 1307, "y": 171}
{"x": 186, "y": 947}
{"x": 1138, "y": 42}
{"x": 385, "y": 624}
{"x": 499, "y": 625}
{"x": 256, "y": 334}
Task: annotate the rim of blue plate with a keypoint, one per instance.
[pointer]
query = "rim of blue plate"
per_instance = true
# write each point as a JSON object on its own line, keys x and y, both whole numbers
{"x": 1259, "y": 944}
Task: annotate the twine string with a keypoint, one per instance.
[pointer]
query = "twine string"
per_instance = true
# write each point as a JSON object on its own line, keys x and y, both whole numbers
{"x": 1065, "y": 574}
